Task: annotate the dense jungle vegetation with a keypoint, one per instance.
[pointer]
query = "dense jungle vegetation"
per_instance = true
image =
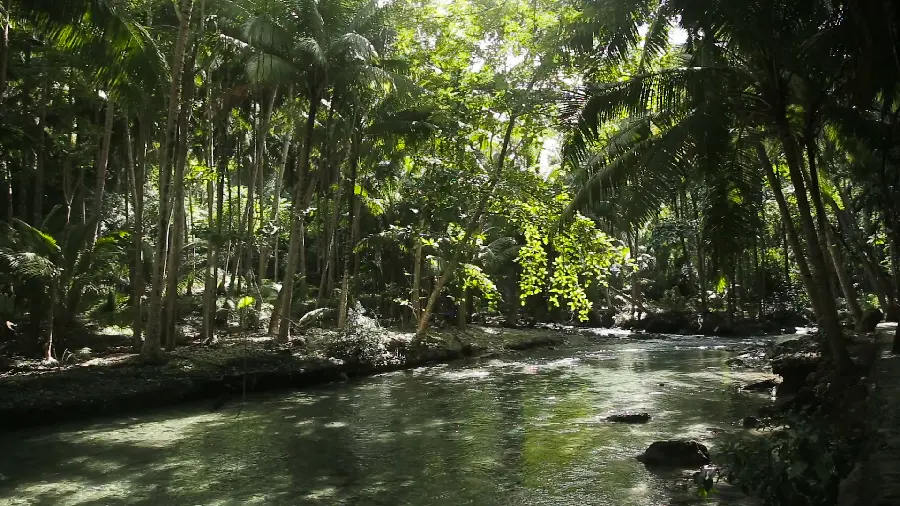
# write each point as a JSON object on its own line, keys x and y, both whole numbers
{"x": 426, "y": 160}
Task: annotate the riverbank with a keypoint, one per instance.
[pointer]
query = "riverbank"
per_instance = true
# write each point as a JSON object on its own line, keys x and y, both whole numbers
{"x": 120, "y": 383}
{"x": 875, "y": 479}
{"x": 819, "y": 427}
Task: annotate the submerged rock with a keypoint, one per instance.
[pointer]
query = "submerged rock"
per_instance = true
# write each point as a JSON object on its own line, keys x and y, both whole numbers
{"x": 663, "y": 323}
{"x": 675, "y": 453}
{"x": 750, "y": 422}
{"x": 736, "y": 362}
{"x": 761, "y": 386}
{"x": 629, "y": 418}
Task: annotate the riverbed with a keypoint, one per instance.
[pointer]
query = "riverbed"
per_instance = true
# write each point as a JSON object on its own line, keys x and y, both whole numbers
{"x": 526, "y": 429}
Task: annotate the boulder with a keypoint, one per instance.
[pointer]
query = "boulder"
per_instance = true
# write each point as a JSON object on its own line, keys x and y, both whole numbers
{"x": 871, "y": 318}
{"x": 675, "y": 453}
{"x": 736, "y": 362}
{"x": 786, "y": 318}
{"x": 805, "y": 344}
{"x": 664, "y": 323}
{"x": 712, "y": 323}
{"x": 750, "y": 422}
{"x": 761, "y": 386}
{"x": 794, "y": 369}
{"x": 603, "y": 319}
{"x": 629, "y": 418}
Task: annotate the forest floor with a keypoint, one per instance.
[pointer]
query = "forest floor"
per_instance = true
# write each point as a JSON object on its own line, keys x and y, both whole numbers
{"x": 110, "y": 379}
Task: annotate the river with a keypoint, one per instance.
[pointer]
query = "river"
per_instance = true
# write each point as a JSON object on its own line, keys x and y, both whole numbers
{"x": 520, "y": 430}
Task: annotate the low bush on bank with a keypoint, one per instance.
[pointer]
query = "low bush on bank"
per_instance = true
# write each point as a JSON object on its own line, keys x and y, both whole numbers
{"x": 805, "y": 450}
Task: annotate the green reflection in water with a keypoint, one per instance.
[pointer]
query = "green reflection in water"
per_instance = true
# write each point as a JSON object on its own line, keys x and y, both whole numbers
{"x": 523, "y": 432}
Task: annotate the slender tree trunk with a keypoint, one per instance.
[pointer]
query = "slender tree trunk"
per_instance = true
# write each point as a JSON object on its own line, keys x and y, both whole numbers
{"x": 38, "y": 210}
{"x": 791, "y": 236}
{"x": 844, "y": 277}
{"x": 827, "y": 315}
{"x": 326, "y": 283}
{"x": 209, "y": 286}
{"x": 276, "y": 202}
{"x": 473, "y": 227}
{"x": 53, "y": 297}
{"x": 353, "y": 222}
{"x": 75, "y": 291}
{"x": 286, "y": 302}
{"x": 136, "y": 175}
{"x": 415, "y": 297}
{"x": 4, "y": 51}
{"x": 151, "y": 348}
{"x": 173, "y": 264}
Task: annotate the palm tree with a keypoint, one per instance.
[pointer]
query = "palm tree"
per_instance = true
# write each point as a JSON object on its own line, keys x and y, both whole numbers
{"x": 152, "y": 344}
{"x": 319, "y": 44}
{"x": 739, "y": 86}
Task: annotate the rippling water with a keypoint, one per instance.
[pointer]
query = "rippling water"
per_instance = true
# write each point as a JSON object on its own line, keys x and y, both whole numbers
{"x": 527, "y": 430}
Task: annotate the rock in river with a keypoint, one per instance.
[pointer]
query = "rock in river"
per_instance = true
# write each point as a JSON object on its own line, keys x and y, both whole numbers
{"x": 675, "y": 454}
{"x": 750, "y": 422}
{"x": 629, "y": 418}
{"x": 761, "y": 386}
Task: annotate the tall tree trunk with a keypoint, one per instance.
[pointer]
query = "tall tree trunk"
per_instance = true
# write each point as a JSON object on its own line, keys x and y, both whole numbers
{"x": 4, "y": 51}
{"x": 844, "y": 277}
{"x": 415, "y": 297}
{"x": 173, "y": 263}
{"x": 209, "y": 286}
{"x": 791, "y": 235}
{"x": 473, "y": 227}
{"x": 283, "y": 313}
{"x": 75, "y": 291}
{"x": 352, "y": 221}
{"x": 136, "y": 176}
{"x": 326, "y": 284}
{"x": 827, "y": 315}
{"x": 151, "y": 348}
{"x": 38, "y": 210}
{"x": 276, "y": 202}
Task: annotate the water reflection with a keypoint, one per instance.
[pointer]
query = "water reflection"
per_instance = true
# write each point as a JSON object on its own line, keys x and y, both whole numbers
{"x": 528, "y": 431}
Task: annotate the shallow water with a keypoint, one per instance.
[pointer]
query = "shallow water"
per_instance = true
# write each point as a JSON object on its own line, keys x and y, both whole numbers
{"x": 527, "y": 430}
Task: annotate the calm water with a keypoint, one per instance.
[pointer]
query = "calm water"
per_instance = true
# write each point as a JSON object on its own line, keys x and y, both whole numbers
{"x": 526, "y": 430}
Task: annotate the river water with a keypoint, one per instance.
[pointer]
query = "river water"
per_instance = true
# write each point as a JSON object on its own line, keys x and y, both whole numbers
{"x": 522, "y": 430}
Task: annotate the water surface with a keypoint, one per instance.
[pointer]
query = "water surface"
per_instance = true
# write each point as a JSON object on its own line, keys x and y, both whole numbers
{"x": 526, "y": 430}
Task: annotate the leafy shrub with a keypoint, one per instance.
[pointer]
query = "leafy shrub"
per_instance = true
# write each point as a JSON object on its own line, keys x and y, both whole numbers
{"x": 802, "y": 462}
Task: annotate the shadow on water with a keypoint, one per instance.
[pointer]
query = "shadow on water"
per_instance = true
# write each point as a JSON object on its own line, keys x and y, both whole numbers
{"x": 528, "y": 431}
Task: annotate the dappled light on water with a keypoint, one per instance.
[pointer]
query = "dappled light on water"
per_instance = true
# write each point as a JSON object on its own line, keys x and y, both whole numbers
{"x": 525, "y": 430}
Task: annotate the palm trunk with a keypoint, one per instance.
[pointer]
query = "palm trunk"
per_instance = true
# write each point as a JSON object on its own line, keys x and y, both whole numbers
{"x": 136, "y": 176}
{"x": 285, "y": 305}
{"x": 791, "y": 236}
{"x": 415, "y": 297}
{"x": 209, "y": 286}
{"x": 38, "y": 210}
{"x": 73, "y": 299}
{"x": 843, "y": 276}
{"x": 4, "y": 52}
{"x": 326, "y": 283}
{"x": 276, "y": 202}
{"x": 151, "y": 348}
{"x": 173, "y": 264}
{"x": 353, "y": 222}
{"x": 827, "y": 314}
{"x": 51, "y": 320}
